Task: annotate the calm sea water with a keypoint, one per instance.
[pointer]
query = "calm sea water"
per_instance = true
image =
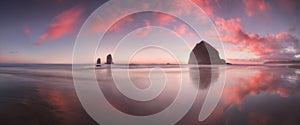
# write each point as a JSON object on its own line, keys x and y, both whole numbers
{"x": 37, "y": 94}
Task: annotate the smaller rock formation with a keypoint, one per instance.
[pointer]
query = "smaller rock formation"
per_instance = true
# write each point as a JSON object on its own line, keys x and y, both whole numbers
{"x": 98, "y": 62}
{"x": 109, "y": 59}
{"x": 204, "y": 53}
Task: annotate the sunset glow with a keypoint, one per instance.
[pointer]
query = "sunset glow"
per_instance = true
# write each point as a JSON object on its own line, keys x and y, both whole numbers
{"x": 252, "y": 31}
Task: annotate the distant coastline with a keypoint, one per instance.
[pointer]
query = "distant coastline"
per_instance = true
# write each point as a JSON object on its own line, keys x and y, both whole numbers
{"x": 283, "y": 62}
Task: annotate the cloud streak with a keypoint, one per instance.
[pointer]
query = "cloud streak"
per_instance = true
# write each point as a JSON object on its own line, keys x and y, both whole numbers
{"x": 64, "y": 24}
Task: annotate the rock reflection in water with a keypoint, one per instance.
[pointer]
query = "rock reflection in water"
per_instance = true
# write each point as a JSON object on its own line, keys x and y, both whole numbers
{"x": 204, "y": 76}
{"x": 254, "y": 96}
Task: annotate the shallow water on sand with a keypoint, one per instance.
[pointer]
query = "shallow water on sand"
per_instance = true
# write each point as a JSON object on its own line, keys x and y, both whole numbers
{"x": 45, "y": 94}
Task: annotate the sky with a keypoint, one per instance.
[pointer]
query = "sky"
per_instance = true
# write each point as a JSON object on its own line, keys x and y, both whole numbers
{"x": 249, "y": 31}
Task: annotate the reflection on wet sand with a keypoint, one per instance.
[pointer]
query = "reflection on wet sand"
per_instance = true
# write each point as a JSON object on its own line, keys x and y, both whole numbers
{"x": 266, "y": 96}
{"x": 253, "y": 95}
{"x": 267, "y": 81}
{"x": 204, "y": 76}
{"x": 33, "y": 100}
{"x": 139, "y": 78}
{"x": 22, "y": 105}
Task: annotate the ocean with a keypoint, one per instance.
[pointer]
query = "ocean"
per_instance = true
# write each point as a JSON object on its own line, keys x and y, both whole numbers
{"x": 42, "y": 94}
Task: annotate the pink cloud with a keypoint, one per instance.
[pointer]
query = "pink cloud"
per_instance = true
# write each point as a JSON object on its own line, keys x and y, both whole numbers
{"x": 181, "y": 7}
{"x": 97, "y": 26}
{"x": 231, "y": 28}
{"x": 26, "y": 30}
{"x": 181, "y": 30}
{"x": 163, "y": 19}
{"x": 99, "y": 23}
{"x": 144, "y": 32}
{"x": 276, "y": 46}
{"x": 206, "y": 5}
{"x": 125, "y": 21}
{"x": 63, "y": 24}
{"x": 253, "y": 6}
{"x": 39, "y": 43}
{"x": 160, "y": 19}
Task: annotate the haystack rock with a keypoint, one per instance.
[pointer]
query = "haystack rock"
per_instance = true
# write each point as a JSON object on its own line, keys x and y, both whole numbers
{"x": 109, "y": 59}
{"x": 203, "y": 53}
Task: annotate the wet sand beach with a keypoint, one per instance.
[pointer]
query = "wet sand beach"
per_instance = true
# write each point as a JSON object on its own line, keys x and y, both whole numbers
{"x": 45, "y": 94}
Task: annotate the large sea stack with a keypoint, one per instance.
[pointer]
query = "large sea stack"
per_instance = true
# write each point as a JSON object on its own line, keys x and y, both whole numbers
{"x": 203, "y": 53}
{"x": 109, "y": 59}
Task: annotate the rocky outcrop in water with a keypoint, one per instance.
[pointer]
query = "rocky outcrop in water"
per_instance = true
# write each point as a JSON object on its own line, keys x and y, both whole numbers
{"x": 204, "y": 53}
{"x": 109, "y": 59}
{"x": 98, "y": 62}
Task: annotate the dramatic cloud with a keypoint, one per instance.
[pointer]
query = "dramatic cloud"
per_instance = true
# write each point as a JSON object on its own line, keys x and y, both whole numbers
{"x": 266, "y": 47}
{"x": 253, "y": 6}
{"x": 63, "y": 24}
{"x": 279, "y": 46}
{"x": 26, "y": 30}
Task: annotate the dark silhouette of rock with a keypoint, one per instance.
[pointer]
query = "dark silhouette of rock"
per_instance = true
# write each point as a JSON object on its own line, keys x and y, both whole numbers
{"x": 98, "y": 62}
{"x": 203, "y": 53}
{"x": 109, "y": 59}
